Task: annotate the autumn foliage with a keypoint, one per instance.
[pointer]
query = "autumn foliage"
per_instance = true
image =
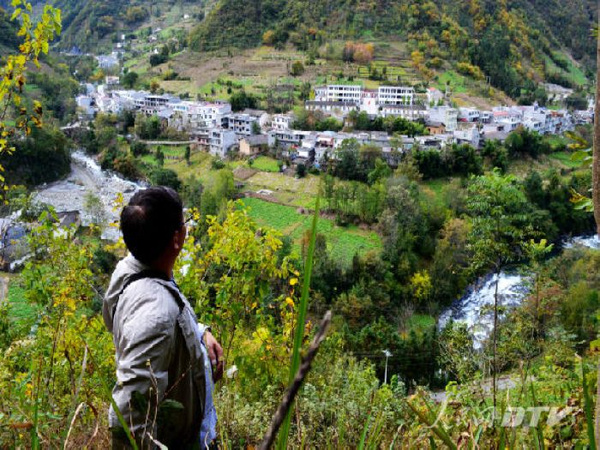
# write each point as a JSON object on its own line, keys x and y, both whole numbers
{"x": 358, "y": 52}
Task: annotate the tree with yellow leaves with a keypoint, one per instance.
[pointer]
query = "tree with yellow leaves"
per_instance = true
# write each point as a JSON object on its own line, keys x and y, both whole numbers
{"x": 35, "y": 40}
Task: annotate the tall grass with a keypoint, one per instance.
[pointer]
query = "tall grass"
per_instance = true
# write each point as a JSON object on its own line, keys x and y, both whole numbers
{"x": 588, "y": 408}
{"x": 300, "y": 323}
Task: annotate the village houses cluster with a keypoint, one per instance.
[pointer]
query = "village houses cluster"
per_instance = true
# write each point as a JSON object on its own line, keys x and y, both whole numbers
{"x": 220, "y": 131}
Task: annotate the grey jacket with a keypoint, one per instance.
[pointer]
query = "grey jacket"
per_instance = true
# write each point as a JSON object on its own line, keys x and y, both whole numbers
{"x": 158, "y": 355}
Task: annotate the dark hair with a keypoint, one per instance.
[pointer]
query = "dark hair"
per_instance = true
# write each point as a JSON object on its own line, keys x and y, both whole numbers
{"x": 149, "y": 222}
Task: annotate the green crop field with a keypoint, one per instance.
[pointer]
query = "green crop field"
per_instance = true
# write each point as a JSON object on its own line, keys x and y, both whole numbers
{"x": 265, "y": 164}
{"x": 573, "y": 73}
{"x": 343, "y": 242}
{"x": 291, "y": 191}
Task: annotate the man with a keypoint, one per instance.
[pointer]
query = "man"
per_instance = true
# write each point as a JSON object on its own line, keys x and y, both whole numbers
{"x": 161, "y": 350}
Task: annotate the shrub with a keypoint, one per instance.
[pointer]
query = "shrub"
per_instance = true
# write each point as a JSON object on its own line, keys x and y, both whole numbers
{"x": 469, "y": 70}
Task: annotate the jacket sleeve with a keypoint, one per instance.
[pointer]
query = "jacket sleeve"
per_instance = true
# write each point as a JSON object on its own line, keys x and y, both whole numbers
{"x": 203, "y": 329}
{"x": 145, "y": 345}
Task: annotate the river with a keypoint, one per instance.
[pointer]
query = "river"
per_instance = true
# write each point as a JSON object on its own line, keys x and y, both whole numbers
{"x": 475, "y": 308}
{"x": 88, "y": 179}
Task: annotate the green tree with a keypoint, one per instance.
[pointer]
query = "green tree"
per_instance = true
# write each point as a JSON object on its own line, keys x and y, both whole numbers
{"x": 95, "y": 208}
{"x": 160, "y": 157}
{"x": 139, "y": 148}
{"x": 464, "y": 160}
{"x": 241, "y": 100}
{"x": 305, "y": 90}
{"x": 596, "y": 199}
{"x": 41, "y": 157}
{"x": 346, "y": 166}
{"x": 129, "y": 79}
{"x": 165, "y": 177}
{"x": 300, "y": 170}
{"x": 297, "y": 69}
{"x": 147, "y": 127}
{"x": 234, "y": 279}
{"x": 216, "y": 191}
{"x": 499, "y": 227}
{"x": 35, "y": 38}
{"x": 456, "y": 352}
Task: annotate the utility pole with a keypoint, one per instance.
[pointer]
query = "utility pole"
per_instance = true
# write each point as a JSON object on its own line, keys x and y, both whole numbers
{"x": 387, "y": 356}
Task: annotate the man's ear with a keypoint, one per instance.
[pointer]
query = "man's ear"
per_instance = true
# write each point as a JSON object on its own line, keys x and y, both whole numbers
{"x": 179, "y": 238}
{"x": 177, "y": 241}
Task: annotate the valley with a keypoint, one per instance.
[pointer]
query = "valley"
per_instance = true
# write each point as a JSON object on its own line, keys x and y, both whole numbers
{"x": 419, "y": 169}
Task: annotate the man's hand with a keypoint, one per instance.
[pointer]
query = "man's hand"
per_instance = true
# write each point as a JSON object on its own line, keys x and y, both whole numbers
{"x": 215, "y": 354}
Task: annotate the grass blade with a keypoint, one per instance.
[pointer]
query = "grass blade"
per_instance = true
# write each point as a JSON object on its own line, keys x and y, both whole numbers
{"x": 363, "y": 436}
{"x": 108, "y": 393}
{"x": 538, "y": 431}
{"x": 300, "y": 323}
{"x": 438, "y": 430}
{"x": 588, "y": 407}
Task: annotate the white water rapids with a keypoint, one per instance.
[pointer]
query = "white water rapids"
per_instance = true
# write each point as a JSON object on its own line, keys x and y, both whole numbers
{"x": 86, "y": 177}
{"x": 475, "y": 309}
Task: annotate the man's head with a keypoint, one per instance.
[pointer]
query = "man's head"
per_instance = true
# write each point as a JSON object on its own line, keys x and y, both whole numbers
{"x": 150, "y": 222}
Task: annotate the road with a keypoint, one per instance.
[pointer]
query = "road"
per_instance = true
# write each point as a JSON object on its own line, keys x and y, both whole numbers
{"x": 504, "y": 383}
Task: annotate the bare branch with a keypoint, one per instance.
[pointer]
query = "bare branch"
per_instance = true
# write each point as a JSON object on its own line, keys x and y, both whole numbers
{"x": 292, "y": 391}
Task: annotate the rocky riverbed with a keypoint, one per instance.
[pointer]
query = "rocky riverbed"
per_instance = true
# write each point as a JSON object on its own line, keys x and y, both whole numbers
{"x": 90, "y": 191}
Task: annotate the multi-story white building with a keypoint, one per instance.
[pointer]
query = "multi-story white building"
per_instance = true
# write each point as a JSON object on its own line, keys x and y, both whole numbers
{"x": 287, "y": 138}
{"x": 369, "y": 103}
{"x": 85, "y": 107}
{"x": 412, "y": 112}
{"x": 434, "y": 96}
{"x": 395, "y": 95}
{"x": 221, "y": 141}
{"x": 468, "y": 134}
{"x": 444, "y": 115}
{"x": 507, "y": 120}
{"x": 196, "y": 115}
{"x": 338, "y": 110}
{"x": 282, "y": 121}
{"x": 241, "y": 124}
{"x": 339, "y": 100}
{"x": 108, "y": 61}
{"x": 153, "y": 103}
{"x": 468, "y": 115}
{"x": 486, "y": 117}
{"x": 342, "y": 93}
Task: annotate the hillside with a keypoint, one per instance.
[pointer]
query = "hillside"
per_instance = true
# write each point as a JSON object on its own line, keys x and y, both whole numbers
{"x": 94, "y": 25}
{"x": 512, "y": 45}
{"x": 509, "y": 42}
{"x": 8, "y": 30}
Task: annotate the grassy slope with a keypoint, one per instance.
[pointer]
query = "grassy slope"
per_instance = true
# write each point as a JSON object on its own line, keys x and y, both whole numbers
{"x": 22, "y": 313}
